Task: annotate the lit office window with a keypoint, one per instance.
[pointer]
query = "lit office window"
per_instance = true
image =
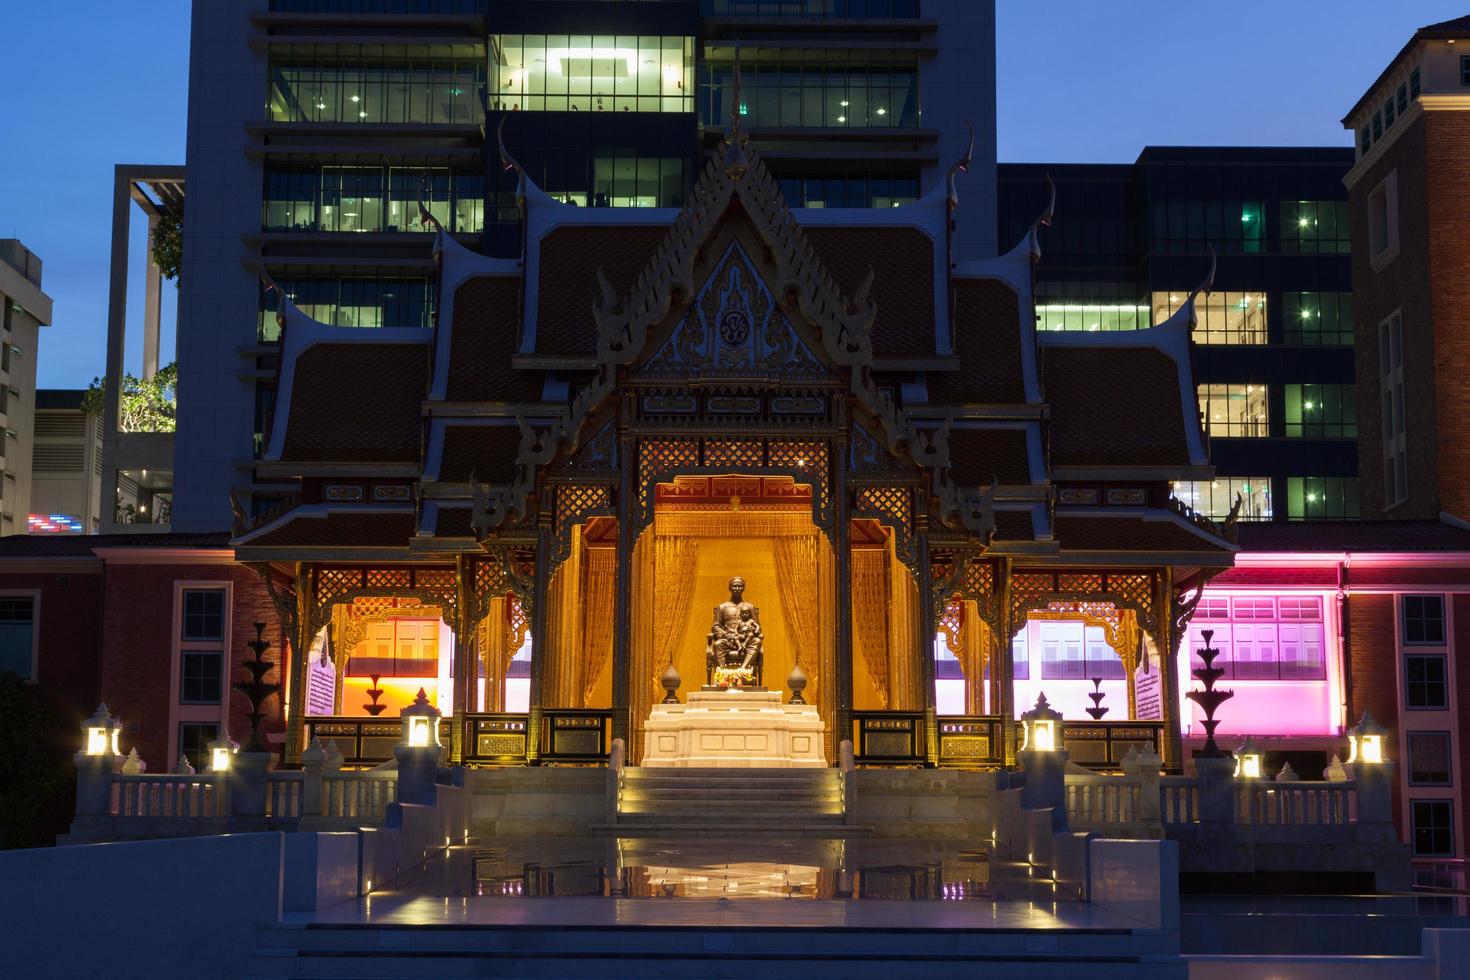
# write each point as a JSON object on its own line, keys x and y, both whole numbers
{"x": 372, "y": 199}
{"x": 1222, "y": 317}
{"x": 1317, "y": 319}
{"x": 400, "y": 85}
{"x": 1315, "y": 227}
{"x": 812, "y": 9}
{"x": 1321, "y": 411}
{"x": 1263, "y": 638}
{"x": 790, "y": 87}
{"x": 1312, "y": 498}
{"x": 1233, "y": 410}
{"x": 591, "y": 73}
{"x": 869, "y": 188}
{"x": 1091, "y": 317}
{"x": 352, "y": 303}
{"x": 1214, "y": 498}
{"x": 1391, "y": 396}
{"x": 1233, "y": 227}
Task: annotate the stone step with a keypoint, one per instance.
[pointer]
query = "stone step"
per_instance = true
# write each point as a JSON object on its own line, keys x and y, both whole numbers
{"x": 754, "y": 811}
{"x": 664, "y": 826}
{"x": 725, "y": 772}
{"x": 733, "y": 792}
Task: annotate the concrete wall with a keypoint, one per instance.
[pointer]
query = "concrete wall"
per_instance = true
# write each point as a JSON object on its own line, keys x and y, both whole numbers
{"x": 956, "y": 85}
{"x": 218, "y": 297}
{"x": 536, "y": 802}
{"x": 926, "y": 804}
{"x": 149, "y": 909}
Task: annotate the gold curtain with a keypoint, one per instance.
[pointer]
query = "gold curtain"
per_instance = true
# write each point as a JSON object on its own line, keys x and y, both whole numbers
{"x": 673, "y": 584}
{"x": 870, "y": 615}
{"x": 902, "y": 637}
{"x": 796, "y": 577}
{"x": 973, "y": 655}
{"x": 494, "y": 639}
{"x": 598, "y": 593}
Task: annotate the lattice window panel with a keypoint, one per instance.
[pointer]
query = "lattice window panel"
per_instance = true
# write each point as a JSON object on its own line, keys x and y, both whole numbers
{"x": 736, "y": 453}
{"x": 979, "y": 579}
{"x": 888, "y": 502}
{"x": 389, "y": 578}
{"x": 1075, "y": 583}
{"x": 1137, "y": 588}
{"x": 518, "y": 625}
{"x": 489, "y": 577}
{"x": 574, "y": 502}
{"x": 662, "y": 456}
{"x": 333, "y": 582}
{"x": 441, "y": 580}
{"x": 805, "y": 457}
{"x": 951, "y": 623}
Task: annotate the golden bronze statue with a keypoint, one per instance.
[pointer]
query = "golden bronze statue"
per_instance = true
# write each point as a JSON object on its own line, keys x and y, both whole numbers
{"x": 735, "y": 640}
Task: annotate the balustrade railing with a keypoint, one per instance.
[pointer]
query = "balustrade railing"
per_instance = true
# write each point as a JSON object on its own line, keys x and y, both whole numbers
{"x": 358, "y": 795}
{"x": 969, "y": 741}
{"x": 169, "y": 795}
{"x": 283, "y": 792}
{"x": 495, "y": 739}
{"x": 1104, "y": 802}
{"x": 1178, "y": 800}
{"x": 573, "y": 735}
{"x": 1294, "y": 804}
{"x": 888, "y": 738}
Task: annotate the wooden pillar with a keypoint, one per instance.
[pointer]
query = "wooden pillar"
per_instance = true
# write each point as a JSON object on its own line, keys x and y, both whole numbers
{"x": 1168, "y": 644}
{"x": 464, "y": 649}
{"x": 622, "y": 661}
{"x": 305, "y": 607}
{"x": 842, "y": 627}
{"x": 540, "y": 641}
{"x": 925, "y": 620}
{"x": 1004, "y": 669}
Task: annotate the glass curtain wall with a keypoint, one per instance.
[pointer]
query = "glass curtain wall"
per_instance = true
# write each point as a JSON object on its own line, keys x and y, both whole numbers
{"x": 345, "y": 85}
{"x": 1234, "y": 410}
{"x": 831, "y": 89}
{"x": 591, "y": 73}
{"x": 1321, "y": 497}
{"x": 1223, "y": 317}
{"x": 372, "y": 199}
{"x": 1321, "y": 411}
{"x": 1318, "y": 319}
{"x": 1233, "y": 227}
{"x": 352, "y": 303}
{"x": 1214, "y": 498}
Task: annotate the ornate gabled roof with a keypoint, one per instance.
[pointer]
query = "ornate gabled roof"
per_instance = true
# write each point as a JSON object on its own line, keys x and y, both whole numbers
{"x": 346, "y": 530}
{"x": 1120, "y": 534}
{"x": 347, "y": 396}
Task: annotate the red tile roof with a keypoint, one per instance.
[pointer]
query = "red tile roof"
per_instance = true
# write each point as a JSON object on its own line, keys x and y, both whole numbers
{"x": 487, "y": 321}
{"x": 569, "y": 259}
{"x": 357, "y": 403}
{"x": 1114, "y": 406}
{"x": 988, "y": 342}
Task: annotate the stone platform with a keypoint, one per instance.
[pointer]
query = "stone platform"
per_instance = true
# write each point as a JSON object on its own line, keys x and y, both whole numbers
{"x": 735, "y": 729}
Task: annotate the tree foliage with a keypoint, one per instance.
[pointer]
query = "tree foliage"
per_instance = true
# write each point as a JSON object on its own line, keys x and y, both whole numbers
{"x": 145, "y": 406}
{"x": 36, "y": 743}
{"x": 168, "y": 242}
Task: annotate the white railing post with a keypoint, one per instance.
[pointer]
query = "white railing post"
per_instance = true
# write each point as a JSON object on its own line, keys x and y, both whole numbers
{"x": 1142, "y": 770}
{"x": 615, "y": 758}
{"x": 313, "y": 766}
{"x": 848, "y": 766}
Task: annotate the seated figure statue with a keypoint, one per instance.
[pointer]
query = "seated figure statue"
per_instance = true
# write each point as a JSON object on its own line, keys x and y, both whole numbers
{"x": 735, "y": 640}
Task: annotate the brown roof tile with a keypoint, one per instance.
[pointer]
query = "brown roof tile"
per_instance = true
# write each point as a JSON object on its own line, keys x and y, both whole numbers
{"x": 487, "y": 450}
{"x": 1014, "y": 525}
{"x": 902, "y": 261}
{"x": 341, "y": 529}
{"x": 453, "y": 522}
{"x": 486, "y": 334}
{"x": 1079, "y": 533}
{"x": 988, "y": 342}
{"x": 357, "y": 403}
{"x": 976, "y": 456}
{"x": 1114, "y": 406}
{"x": 570, "y": 257}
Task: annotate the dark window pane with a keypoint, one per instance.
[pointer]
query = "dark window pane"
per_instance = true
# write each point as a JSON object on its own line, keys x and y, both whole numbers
{"x": 200, "y": 680}
{"x": 1425, "y": 681}
{"x": 1433, "y": 828}
{"x": 194, "y": 739}
{"x": 1429, "y": 758}
{"x": 1423, "y": 619}
{"x": 204, "y": 614}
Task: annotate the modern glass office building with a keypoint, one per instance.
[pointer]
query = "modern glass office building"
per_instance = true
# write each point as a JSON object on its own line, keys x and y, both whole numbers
{"x": 1274, "y": 341}
{"x": 316, "y": 128}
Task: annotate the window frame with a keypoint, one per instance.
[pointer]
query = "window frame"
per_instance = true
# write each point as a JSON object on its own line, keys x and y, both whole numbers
{"x": 1449, "y": 744}
{"x": 212, "y": 712}
{"x": 35, "y": 596}
{"x": 1384, "y": 196}
{"x": 1439, "y": 643}
{"x": 1448, "y": 825}
{"x": 1391, "y": 394}
{"x": 1444, "y": 683}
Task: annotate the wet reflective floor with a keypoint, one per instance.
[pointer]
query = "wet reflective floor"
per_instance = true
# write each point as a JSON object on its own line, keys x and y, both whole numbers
{"x": 750, "y": 870}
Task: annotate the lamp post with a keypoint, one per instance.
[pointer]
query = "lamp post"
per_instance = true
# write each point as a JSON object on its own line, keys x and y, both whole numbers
{"x": 1366, "y": 742}
{"x": 1248, "y": 759}
{"x": 1044, "y": 762}
{"x": 418, "y": 752}
{"x": 98, "y": 759}
{"x": 221, "y": 752}
{"x": 1371, "y": 770}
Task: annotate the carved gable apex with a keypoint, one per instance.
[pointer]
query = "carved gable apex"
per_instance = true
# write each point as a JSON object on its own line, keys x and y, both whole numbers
{"x": 735, "y": 327}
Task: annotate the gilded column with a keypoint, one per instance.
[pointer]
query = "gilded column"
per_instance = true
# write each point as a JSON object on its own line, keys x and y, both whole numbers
{"x": 540, "y": 640}
{"x": 842, "y": 628}
{"x": 622, "y": 665}
{"x": 925, "y": 622}
{"x": 1169, "y": 653}
{"x": 1002, "y": 667}
{"x": 301, "y": 649}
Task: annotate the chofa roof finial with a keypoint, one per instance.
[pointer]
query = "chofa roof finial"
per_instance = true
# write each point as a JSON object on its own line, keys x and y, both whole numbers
{"x": 736, "y": 162}
{"x": 961, "y": 166}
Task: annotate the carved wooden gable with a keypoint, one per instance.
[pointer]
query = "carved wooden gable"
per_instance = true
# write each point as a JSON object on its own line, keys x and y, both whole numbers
{"x": 734, "y": 326}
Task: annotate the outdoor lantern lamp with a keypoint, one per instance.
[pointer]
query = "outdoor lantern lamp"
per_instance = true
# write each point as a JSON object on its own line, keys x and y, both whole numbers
{"x": 1365, "y": 742}
{"x": 101, "y": 733}
{"x": 421, "y": 723}
{"x": 1248, "y": 760}
{"x": 221, "y": 750}
{"x": 1041, "y": 727}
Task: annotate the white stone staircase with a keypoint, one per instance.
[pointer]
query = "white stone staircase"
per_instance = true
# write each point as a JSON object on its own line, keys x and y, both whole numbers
{"x": 685, "y": 803}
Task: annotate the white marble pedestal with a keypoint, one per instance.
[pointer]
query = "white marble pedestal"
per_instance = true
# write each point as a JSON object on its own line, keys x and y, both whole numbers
{"x": 735, "y": 729}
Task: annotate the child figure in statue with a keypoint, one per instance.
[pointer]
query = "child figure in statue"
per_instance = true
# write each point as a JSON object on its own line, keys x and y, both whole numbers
{"x": 736, "y": 639}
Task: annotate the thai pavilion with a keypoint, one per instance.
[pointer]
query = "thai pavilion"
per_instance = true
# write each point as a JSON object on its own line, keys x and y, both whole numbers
{"x": 530, "y": 510}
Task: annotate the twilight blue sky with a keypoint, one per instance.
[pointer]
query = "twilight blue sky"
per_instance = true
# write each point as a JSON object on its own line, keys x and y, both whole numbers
{"x": 92, "y": 83}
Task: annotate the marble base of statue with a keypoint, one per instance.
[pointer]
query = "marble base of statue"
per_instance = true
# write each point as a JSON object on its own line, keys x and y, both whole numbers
{"x": 743, "y": 728}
